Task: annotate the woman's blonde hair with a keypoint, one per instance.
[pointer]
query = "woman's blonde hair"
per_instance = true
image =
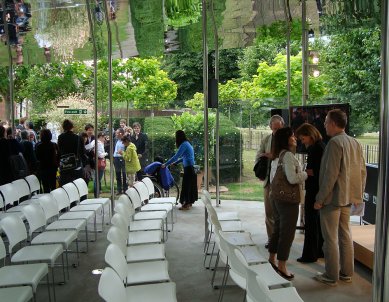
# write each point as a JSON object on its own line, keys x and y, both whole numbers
{"x": 309, "y": 130}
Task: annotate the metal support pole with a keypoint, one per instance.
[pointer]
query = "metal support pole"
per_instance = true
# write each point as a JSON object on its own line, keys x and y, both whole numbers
{"x": 92, "y": 34}
{"x": 110, "y": 124}
{"x": 217, "y": 135}
{"x": 205, "y": 90}
{"x": 10, "y": 70}
{"x": 381, "y": 245}
{"x": 304, "y": 41}
{"x": 288, "y": 20}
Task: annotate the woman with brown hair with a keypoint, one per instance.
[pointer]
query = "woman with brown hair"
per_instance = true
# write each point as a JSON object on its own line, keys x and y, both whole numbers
{"x": 313, "y": 240}
{"x": 285, "y": 213}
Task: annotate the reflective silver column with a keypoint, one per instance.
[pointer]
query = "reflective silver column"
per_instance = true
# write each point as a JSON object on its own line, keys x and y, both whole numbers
{"x": 381, "y": 247}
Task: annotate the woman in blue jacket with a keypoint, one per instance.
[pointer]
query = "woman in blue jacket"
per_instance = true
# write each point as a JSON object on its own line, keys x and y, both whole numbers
{"x": 185, "y": 154}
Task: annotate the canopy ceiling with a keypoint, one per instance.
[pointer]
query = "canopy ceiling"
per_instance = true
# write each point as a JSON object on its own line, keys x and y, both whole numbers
{"x": 48, "y": 31}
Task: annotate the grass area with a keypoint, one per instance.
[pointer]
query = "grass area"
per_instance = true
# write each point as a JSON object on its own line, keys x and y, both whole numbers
{"x": 369, "y": 139}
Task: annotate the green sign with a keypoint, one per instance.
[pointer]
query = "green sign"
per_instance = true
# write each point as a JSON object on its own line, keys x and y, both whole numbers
{"x": 75, "y": 111}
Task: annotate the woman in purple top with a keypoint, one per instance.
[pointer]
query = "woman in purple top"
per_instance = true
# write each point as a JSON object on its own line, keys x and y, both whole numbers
{"x": 185, "y": 154}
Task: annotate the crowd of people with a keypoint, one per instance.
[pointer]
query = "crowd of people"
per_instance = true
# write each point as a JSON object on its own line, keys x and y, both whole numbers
{"x": 333, "y": 179}
{"x": 73, "y": 156}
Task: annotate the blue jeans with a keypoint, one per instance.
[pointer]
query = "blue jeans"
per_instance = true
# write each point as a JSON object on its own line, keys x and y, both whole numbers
{"x": 101, "y": 173}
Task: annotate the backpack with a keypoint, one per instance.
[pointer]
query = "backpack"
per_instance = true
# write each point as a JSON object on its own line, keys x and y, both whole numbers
{"x": 18, "y": 166}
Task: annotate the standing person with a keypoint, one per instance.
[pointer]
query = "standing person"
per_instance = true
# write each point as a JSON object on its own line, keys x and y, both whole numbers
{"x": 118, "y": 161}
{"x": 276, "y": 122}
{"x": 28, "y": 151}
{"x": 131, "y": 160}
{"x": 285, "y": 214}
{"x": 5, "y": 176}
{"x": 70, "y": 145}
{"x": 139, "y": 139}
{"x": 30, "y": 128}
{"x": 47, "y": 155}
{"x": 185, "y": 154}
{"x": 101, "y": 154}
{"x": 342, "y": 181}
{"x": 313, "y": 240}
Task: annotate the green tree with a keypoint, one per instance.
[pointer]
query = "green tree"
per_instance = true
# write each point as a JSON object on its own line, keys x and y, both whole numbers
{"x": 351, "y": 65}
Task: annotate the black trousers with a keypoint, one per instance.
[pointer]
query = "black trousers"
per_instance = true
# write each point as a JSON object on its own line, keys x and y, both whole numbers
{"x": 48, "y": 178}
{"x": 313, "y": 240}
{"x": 120, "y": 171}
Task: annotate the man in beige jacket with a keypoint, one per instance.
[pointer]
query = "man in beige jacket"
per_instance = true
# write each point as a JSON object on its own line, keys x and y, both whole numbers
{"x": 341, "y": 183}
{"x": 276, "y": 122}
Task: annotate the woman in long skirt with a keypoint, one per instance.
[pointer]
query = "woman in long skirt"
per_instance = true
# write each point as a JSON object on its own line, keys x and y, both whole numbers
{"x": 185, "y": 154}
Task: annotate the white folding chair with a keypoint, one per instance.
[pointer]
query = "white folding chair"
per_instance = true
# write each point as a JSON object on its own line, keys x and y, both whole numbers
{"x": 257, "y": 291}
{"x": 206, "y": 198}
{"x": 238, "y": 270}
{"x": 37, "y": 223}
{"x": 19, "y": 294}
{"x": 152, "y": 215}
{"x": 137, "y": 272}
{"x": 16, "y": 233}
{"x": 111, "y": 289}
{"x": 136, "y": 237}
{"x": 135, "y": 253}
{"x": 50, "y": 209}
{"x": 21, "y": 186}
{"x": 34, "y": 185}
{"x": 63, "y": 203}
{"x": 21, "y": 274}
{"x": 9, "y": 196}
{"x": 84, "y": 200}
{"x": 143, "y": 192}
{"x": 150, "y": 187}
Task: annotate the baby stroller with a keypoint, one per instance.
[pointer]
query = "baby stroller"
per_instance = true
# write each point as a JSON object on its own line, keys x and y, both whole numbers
{"x": 164, "y": 183}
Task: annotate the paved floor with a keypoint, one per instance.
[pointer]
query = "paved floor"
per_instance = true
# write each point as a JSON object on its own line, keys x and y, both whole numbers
{"x": 184, "y": 252}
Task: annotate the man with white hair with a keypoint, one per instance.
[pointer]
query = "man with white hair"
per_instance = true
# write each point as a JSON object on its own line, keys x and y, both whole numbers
{"x": 276, "y": 122}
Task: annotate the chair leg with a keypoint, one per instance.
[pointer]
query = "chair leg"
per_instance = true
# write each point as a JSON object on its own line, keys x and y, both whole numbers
{"x": 48, "y": 287}
{"x": 211, "y": 255}
{"x": 215, "y": 269}
{"x": 224, "y": 282}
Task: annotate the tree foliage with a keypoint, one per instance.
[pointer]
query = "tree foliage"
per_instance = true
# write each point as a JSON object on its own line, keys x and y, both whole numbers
{"x": 351, "y": 63}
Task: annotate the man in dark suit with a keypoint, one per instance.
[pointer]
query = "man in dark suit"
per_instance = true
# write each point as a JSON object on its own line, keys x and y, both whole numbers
{"x": 139, "y": 139}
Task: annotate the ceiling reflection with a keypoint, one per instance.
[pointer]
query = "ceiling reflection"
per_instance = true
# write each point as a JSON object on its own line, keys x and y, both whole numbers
{"x": 40, "y": 31}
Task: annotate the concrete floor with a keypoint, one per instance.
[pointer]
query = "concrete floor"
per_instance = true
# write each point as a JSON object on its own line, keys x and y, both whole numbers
{"x": 184, "y": 252}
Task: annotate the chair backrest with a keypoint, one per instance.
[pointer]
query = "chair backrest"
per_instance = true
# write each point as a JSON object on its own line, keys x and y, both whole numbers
{"x": 62, "y": 198}
{"x": 256, "y": 289}
{"x": 116, "y": 236}
{"x": 111, "y": 288}
{"x": 3, "y": 252}
{"x": 33, "y": 183}
{"x": 207, "y": 195}
{"x": 9, "y": 195}
{"x": 149, "y": 184}
{"x": 49, "y": 206}
{"x": 235, "y": 264}
{"x": 134, "y": 197}
{"x": 15, "y": 230}
{"x": 119, "y": 221}
{"x": 115, "y": 259}
{"x": 214, "y": 220}
{"x": 142, "y": 190}
{"x": 72, "y": 192}
{"x": 35, "y": 216}
{"x": 124, "y": 211}
{"x": 22, "y": 188}
{"x": 82, "y": 188}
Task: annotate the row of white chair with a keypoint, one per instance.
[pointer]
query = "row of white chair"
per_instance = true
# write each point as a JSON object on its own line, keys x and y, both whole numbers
{"x": 245, "y": 265}
{"x": 138, "y": 269}
{"x": 44, "y": 213}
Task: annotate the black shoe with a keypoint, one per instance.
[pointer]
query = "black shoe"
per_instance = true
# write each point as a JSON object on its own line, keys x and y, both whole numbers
{"x": 303, "y": 260}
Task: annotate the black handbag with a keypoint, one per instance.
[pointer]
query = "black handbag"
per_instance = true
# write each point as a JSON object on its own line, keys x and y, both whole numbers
{"x": 281, "y": 190}
{"x": 69, "y": 161}
{"x": 261, "y": 167}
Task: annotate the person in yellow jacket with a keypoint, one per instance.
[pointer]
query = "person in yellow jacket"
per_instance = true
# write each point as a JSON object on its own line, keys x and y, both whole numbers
{"x": 131, "y": 160}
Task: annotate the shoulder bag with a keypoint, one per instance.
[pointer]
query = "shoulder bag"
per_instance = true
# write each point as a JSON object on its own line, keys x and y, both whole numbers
{"x": 260, "y": 168}
{"x": 69, "y": 161}
{"x": 281, "y": 190}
